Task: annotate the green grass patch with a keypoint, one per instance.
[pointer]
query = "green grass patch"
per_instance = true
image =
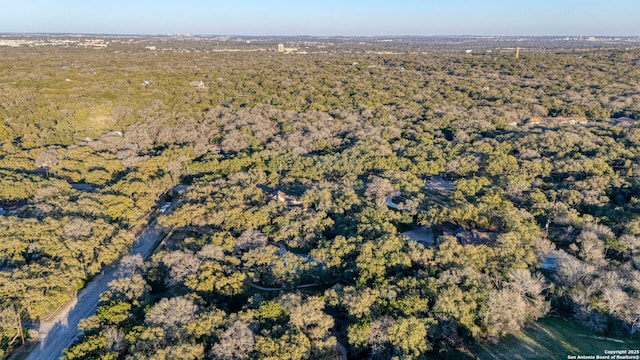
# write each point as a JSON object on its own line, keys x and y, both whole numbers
{"x": 554, "y": 338}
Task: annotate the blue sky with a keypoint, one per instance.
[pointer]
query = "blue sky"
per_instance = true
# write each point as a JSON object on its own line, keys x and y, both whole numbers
{"x": 328, "y": 17}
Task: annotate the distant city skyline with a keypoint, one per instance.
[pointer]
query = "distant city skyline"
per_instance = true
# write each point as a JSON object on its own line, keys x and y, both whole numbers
{"x": 329, "y": 17}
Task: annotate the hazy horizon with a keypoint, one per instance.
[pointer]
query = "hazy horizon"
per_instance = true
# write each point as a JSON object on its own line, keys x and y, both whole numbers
{"x": 326, "y": 18}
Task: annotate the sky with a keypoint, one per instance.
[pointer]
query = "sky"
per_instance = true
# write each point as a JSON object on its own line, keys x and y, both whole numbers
{"x": 328, "y": 17}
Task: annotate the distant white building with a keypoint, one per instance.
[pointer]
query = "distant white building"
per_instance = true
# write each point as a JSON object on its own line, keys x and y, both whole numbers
{"x": 286, "y": 50}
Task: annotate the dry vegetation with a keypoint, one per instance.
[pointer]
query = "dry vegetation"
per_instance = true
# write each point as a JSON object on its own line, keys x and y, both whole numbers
{"x": 327, "y": 270}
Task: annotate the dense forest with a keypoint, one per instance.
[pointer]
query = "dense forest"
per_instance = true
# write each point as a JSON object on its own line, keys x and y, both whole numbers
{"x": 301, "y": 174}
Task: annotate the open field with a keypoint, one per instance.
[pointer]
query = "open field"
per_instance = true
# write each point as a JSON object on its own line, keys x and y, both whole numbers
{"x": 554, "y": 338}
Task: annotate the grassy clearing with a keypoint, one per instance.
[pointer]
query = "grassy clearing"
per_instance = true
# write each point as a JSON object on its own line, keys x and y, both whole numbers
{"x": 553, "y": 338}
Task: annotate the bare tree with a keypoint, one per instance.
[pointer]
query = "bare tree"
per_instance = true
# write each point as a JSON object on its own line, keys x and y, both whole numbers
{"x": 591, "y": 248}
{"x": 131, "y": 264}
{"x": 378, "y": 340}
{"x": 170, "y": 313}
{"x": 518, "y": 301}
{"x": 47, "y": 159}
{"x": 235, "y": 343}
{"x": 572, "y": 271}
{"x": 592, "y": 319}
{"x": 180, "y": 265}
{"x": 378, "y": 188}
{"x": 115, "y": 339}
{"x": 530, "y": 288}
{"x": 77, "y": 228}
{"x": 250, "y": 239}
{"x": 175, "y": 169}
{"x": 211, "y": 251}
{"x": 507, "y": 311}
{"x": 616, "y": 299}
